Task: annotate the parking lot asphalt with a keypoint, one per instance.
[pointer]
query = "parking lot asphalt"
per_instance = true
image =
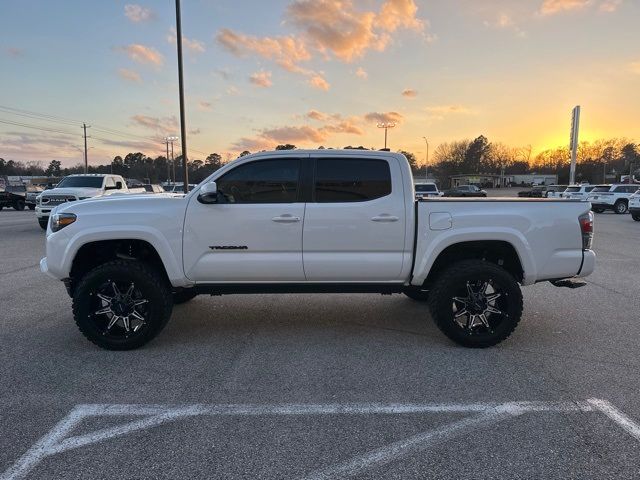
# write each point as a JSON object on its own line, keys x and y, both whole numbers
{"x": 323, "y": 386}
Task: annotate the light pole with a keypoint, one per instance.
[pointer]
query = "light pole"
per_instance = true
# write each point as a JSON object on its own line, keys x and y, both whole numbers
{"x": 386, "y": 126}
{"x": 183, "y": 126}
{"x": 170, "y": 140}
{"x": 426, "y": 160}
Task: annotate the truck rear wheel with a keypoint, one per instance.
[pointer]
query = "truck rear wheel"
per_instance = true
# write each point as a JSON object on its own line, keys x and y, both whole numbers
{"x": 18, "y": 205}
{"x": 476, "y": 303}
{"x": 122, "y": 304}
{"x": 636, "y": 217}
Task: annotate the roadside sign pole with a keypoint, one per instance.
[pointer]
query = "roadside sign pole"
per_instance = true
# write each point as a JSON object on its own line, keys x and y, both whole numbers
{"x": 183, "y": 126}
{"x": 573, "y": 145}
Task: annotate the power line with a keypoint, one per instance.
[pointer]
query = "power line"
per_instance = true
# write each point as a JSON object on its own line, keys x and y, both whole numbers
{"x": 36, "y": 127}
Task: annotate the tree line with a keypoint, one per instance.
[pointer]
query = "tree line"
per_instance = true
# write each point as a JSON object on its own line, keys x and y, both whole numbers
{"x": 598, "y": 162}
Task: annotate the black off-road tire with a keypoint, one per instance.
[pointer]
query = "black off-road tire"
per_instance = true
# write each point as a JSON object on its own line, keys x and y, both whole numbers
{"x": 152, "y": 286}
{"x": 43, "y": 223}
{"x": 598, "y": 210}
{"x": 183, "y": 296}
{"x": 450, "y": 281}
{"x": 18, "y": 205}
{"x": 620, "y": 207}
{"x": 636, "y": 217}
{"x": 417, "y": 294}
{"x": 31, "y": 207}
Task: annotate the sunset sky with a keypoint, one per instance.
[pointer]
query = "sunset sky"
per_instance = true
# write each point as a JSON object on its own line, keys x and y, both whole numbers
{"x": 314, "y": 72}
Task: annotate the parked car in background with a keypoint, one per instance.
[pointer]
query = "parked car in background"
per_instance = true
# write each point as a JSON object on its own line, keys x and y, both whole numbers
{"x": 465, "y": 191}
{"x": 32, "y": 193}
{"x": 577, "y": 192}
{"x": 79, "y": 187}
{"x": 426, "y": 190}
{"x": 555, "y": 191}
{"x": 177, "y": 187}
{"x": 612, "y": 197}
{"x": 153, "y": 188}
{"x": 537, "y": 191}
{"x": 634, "y": 206}
{"x": 13, "y": 195}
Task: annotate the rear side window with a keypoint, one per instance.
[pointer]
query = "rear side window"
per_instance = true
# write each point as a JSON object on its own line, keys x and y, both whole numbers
{"x": 351, "y": 180}
{"x": 265, "y": 181}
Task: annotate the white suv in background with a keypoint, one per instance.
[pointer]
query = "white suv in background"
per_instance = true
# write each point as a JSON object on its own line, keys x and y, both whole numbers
{"x": 577, "y": 192}
{"x": 612, "y": 197}
{"x": 426, "y": 190}
{"x": 634, "y": 206}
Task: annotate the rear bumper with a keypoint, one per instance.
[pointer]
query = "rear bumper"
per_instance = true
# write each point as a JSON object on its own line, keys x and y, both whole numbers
{"x": 634, "y": 210}
{"x": 588, "y": 263}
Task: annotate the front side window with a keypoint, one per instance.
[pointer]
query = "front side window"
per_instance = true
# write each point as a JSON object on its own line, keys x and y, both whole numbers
{"x": 351, "y": 180}
{"x": 602, "y": 188}
{"x": 262, "y": 181}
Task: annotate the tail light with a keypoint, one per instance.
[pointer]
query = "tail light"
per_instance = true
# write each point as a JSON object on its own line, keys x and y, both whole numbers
{"x": 586, "y": 226}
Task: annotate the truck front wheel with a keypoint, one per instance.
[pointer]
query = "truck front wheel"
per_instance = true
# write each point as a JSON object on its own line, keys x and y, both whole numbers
{"x": 417, "y": 293}
{"x": 476, "y": 303}
{"x": 43, "y": 223}
{"x": 122, "y": 304}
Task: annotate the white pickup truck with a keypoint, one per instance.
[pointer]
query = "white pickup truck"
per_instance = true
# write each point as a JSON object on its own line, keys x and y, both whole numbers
{"x": 79, "y": 187}
{"x": 307, "y": 221}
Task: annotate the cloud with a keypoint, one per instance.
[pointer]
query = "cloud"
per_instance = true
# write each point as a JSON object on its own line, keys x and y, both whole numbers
{"x": 318, "y": 81}
{"x": 142, "y": 54}
{"x": 635, "y": 67}
{"x": 14, "y": 52}
{"x": 316, "y": 115}
{"x": 191, "y": 45}
{"x": 505, "y": 22}
{"x": 261, "y": 79}
{"x": 384, "y": 117}
{"x": 609, "y": 6}
{"x": 205, "y": 106}
{"x": 361, "y": 73}
{"x": 409, "y": 93}
{"x": 551, "y": 7}
{"x": 233, "y": 90}
{"x": 332, "y": 28}
{"x": 129, "y": 75}
{"x": 305, "y": 134}
{"x": 160, "y": 125}
{"x": 195, "y": 131}
{"x": 439, "y": 112}
{"x": 137, "y": 13}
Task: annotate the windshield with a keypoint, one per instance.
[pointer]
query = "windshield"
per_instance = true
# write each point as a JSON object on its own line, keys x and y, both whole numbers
{"x": 80, "y": 182}
{"x": 422, "y": 187}
{"x": 602, "y": 188}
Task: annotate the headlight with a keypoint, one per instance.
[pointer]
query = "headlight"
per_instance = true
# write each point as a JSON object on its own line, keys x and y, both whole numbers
{"x": 61, "y": 220}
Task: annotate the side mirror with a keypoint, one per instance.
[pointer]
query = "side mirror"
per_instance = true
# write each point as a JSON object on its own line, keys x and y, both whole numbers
{"x": 208, "y": 193}
{"x": 118, "y": 185}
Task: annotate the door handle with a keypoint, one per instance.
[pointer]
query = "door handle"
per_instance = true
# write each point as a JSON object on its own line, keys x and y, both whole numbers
{"x": 384, "y": 218}
{"x": 286, "y": 218}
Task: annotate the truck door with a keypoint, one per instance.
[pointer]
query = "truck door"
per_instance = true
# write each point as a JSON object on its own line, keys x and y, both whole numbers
{"x": 254, "y": 232}
{"x": 354, "y": 228}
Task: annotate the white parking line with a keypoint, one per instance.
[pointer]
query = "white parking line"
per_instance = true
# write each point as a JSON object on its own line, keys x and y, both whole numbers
{"x": 57, "y": 440}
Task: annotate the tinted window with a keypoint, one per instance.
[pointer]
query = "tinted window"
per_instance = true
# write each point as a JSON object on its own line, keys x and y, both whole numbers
{"x": 588, "y": 189}
{"x": 425, "y": 187}
{"x": 572, "y": 189}
{"x": 464, "y": 188}
{"x": 266, "y": 181}
{"x": 80, "y": 182}
{"x": 351, "y": 180}
{"x": 602, "y": 188}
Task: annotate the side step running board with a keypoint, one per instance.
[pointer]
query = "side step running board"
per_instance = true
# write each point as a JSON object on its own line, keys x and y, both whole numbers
{"x": 568, "y": 283}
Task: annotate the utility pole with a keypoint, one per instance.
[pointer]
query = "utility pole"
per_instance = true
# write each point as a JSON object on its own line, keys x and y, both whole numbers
{"x": 86, "y": 160}
{"x": 173, "y": 163}
{"x": 426, "y": 161}
{"x": 183, "y": 126}
{"x": 166, "y": 141}
{"x": 386, "y": 126}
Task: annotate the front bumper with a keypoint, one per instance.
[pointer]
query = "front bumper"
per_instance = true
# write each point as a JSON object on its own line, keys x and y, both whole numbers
{"x": 44, "y": 268}
{"x": 634, "y": 210}
{"x": 43, "y": 212}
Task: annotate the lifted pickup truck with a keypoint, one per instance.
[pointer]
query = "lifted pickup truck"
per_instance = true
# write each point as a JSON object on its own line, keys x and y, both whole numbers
{"x": 308, "y": 222}
{"x": 79, "y": 187}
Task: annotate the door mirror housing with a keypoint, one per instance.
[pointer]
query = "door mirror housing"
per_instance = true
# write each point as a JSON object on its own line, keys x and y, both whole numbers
{"x": 208, "y": 193}
{"x": 118, "y": 185}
